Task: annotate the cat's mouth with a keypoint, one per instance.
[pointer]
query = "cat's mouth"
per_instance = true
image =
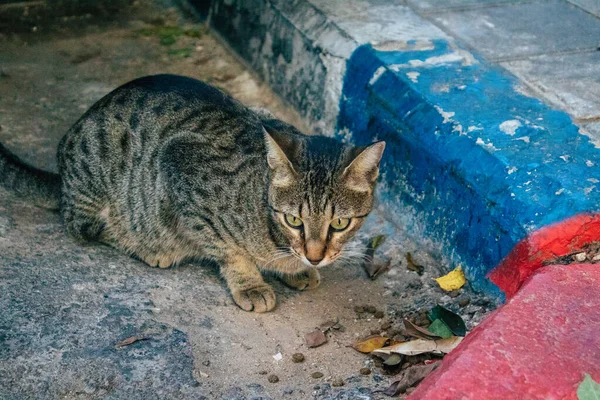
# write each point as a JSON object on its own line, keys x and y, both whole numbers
{"x": 327, "y": 260}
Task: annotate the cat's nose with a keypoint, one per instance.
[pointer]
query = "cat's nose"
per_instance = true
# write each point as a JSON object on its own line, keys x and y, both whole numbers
{"x": 314, "y": 251}
{"x": 314, "y": 262}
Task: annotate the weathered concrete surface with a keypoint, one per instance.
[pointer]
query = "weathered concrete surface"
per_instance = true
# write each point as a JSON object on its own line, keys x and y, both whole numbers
{"x": 570, "y": 81}
{"x": 66, "y": 305}
{"x": 537, "y": 346}
{"x": 436, "y": 5}
{"x": 294, "y": 48}
{"x": 524, "y": 29}
{"x": 591, "y": 6}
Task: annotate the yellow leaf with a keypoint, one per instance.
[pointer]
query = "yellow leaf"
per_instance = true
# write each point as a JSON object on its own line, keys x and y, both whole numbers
{"x": 453, "y": 280}
{"x": 371, "y": 343}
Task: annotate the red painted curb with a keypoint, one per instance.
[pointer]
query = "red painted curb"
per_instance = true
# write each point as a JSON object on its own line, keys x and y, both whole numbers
{"x": 552, "y": 241}
{"x": 537, "y": 346}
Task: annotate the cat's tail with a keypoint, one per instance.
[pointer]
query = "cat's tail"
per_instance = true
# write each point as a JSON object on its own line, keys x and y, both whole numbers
{"x": 41, "y": 187}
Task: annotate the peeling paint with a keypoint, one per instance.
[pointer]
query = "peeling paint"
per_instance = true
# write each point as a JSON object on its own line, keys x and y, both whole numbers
{"x": 448, "y": 130}
{"x": 413, "y": 76}
{"x": 510, "y": 127}
{"x": 460, "y": 56}
{"x": 376, "y": 75}
{"x": 399, "y": 45}
{"x": 458, "y": 128}
{"x": 490, "y": 145}
{"x": 446, "y": 115}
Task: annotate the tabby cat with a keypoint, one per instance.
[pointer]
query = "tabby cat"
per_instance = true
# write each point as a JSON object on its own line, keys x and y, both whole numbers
{"x": 168, "y": 168}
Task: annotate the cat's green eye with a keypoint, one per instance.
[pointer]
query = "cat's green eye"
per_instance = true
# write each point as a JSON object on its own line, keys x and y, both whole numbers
{"x": 292, "y": 221}
{"x": 339, "y": 224}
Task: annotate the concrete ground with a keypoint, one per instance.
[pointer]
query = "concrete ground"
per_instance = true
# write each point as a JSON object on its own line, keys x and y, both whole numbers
{"x": 552, "y": 46}
{"x": 66, "y": 305}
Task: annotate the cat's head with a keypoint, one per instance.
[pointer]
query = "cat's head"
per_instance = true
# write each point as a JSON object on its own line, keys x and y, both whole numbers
{"x": 320, "y": 192}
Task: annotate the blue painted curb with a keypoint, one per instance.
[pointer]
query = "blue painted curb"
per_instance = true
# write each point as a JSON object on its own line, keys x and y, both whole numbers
{"x": 482, "y": 164}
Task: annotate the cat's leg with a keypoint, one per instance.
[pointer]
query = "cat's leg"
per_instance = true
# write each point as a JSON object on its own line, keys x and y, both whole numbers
{"x": 305, "y": 280}
{"x": 246, "y": 284}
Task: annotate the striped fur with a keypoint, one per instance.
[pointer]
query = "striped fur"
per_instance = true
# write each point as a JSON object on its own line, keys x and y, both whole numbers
{"x": 167, "y": 168}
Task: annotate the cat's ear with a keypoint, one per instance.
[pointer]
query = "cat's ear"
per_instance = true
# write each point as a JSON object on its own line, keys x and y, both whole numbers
{"x": 282, "y": 170}
{"x": 364, "y": 169}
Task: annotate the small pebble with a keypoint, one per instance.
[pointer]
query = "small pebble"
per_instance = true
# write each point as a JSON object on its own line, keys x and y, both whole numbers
{"x": 273, "y": 378}
{"x": 370, "y": 309}
{"x": 378, "y": 314}
{"x": 464, "y": 302}
{"x": 580, "y": 257}
{"x": 385, "y": 325}
{"x": 454, "y": 293}
{"x": 206, "y": 363}
{"x": 297, "y": 357}
{"x": 317, "y": 375}
{"x": 337, "y": 382}
{"x": 263, "y": 372}
{"x": 359, "y": 309}
{"x": 365, "y": 371}
{"x": 596, "y": 258}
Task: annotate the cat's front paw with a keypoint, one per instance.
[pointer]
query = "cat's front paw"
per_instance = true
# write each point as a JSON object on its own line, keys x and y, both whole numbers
{"x": 259, "y": 299}
{"x": 307, "y": 280}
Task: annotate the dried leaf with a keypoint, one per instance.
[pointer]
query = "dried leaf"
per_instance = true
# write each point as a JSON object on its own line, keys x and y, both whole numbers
{"x": 419, "y": 269}
{"x": 376, "y": 241}
{"x": 420, "y": 346}
{"x": 452, "y": 320}
{"x": 315, "y": 338}
{"x": 453, "y": 280}
{"x": 393, "y": 359}
{"x": 374, "y": 270}
{"x": 410, "y": 377}
{"x": 371, "y": 343}
{"x": 418, "y": 332}
{"x": 588, "y": 389}
{"x": 129, "y": 341}
{"x": 439, "y": 328}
